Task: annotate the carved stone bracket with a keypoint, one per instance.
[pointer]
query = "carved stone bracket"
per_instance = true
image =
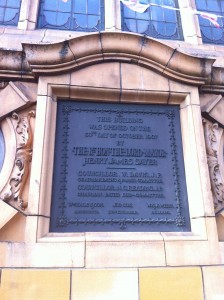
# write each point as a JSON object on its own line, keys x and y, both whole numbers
{"x": 20, "y": 173}
{"x": 214, "y": 148}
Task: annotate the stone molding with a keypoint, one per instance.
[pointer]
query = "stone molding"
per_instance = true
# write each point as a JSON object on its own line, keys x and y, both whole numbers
{"x": 72, "y": 54}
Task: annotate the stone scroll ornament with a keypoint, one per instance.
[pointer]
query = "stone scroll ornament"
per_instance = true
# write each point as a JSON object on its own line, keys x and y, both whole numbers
{"x": 213, "y": 139}
{"x": 21, "y": 169}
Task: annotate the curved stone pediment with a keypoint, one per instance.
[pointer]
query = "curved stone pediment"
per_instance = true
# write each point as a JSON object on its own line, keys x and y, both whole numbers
{"x": 65, "y": 56}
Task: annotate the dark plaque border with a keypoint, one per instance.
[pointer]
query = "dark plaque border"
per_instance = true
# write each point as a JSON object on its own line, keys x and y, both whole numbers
{"x": 61, "y": 222}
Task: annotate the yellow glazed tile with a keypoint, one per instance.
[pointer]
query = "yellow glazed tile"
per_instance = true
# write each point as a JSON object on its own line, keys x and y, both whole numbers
{"x": 35, "y": 285}
{"x": 105, "y": 285}
{"x": 171, "y": 284}
{"x": 213, "y": 283}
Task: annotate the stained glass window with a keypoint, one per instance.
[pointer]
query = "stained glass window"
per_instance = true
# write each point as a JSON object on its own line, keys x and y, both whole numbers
{"x": 156, "y": 21}
{"x": 209, "y": 32}
{"x": 2, "y": 149}
{"x": 76, "y": 15}
{"x": 9, "y": 12}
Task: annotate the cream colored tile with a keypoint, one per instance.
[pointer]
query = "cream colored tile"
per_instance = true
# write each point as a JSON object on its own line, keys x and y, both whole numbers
{"x": 189, "y": 253}
{"x": 86, "y": 48}
{"x": 4, "y": 253}
{"x": 62, "y": 80}
{"x": 198, "y": 232}
{"x": 124, "y": 254}
{"x": 139, "y": 78}
{"x": 38, "y": 144}
{"x": 95, "y": 94}
{"x": 188, "y": 67}
{"x": 35, "y": 284}
{"x": 136, "y": 96}
{"x": 202, "y": 162}
{"x": 192, "y": 160}
{"x": 105, "y": 284}
{"x": 105, "y": 75}
{"x": 182, "y": 88}
{"x": 45, "y": 255}
{"x": 170, "y": 284}
{"x": 7, "y": 213}
{"x": 14, "y": 230}
{"x": 150, "y": 54}
{"x": 12, "y": 99}
{"x": 47, "y": 153}
{"x": 213, "y": 282}
{"x": 221, "y": 248}
{"x": 122, "y": 236}
{"x": 31, "y": 229}
{"x": 115, "y": 44}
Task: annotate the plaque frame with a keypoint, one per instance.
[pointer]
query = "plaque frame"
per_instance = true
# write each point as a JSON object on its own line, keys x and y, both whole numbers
{"x": 99, "y": 94}
{"x": 112, "y": 244}
{"x": 126, "y": 68}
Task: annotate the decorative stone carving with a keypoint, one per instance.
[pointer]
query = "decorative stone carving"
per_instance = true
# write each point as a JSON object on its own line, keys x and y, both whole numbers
{"x": 214, "y": 148}
{"x": 21, "y": 170}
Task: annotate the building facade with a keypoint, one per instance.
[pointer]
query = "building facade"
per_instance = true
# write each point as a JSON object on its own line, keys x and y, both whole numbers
{"x": 95, "y": 56}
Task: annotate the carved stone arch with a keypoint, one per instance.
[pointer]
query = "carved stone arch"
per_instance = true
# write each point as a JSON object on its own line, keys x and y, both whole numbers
{"x": 76, "y": 53}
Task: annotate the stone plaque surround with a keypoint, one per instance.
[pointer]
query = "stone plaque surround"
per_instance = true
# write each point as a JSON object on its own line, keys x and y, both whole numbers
{"x": 117, "y": 68}
{"x": 147, "y": 248}
{"x": 107, "y": 248}
{"x": 123, "y": 68}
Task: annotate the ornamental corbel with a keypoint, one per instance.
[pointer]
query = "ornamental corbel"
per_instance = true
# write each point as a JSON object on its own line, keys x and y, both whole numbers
{"x": 21, "y": 170}
{"x": 213, "y": 141}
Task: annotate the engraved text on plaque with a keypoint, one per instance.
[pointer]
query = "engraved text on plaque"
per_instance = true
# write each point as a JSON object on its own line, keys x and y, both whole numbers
{"x": 118, "y": 167}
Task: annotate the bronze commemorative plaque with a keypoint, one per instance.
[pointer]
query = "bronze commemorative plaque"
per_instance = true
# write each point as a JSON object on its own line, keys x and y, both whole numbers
{"x": 118, "y": 167}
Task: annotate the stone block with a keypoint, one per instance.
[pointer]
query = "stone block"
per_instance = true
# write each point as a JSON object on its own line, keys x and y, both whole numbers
{"x": 105, "y": 284}
{"x": 124, "y": 254}
{"x": 170, "y": 284}
{"x": 213, "y": 282}
{"x": 35, "y": 284}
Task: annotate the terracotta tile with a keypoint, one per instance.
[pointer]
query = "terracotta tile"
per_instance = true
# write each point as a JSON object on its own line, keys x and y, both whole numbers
{"x": 170, "y": 284}
{"x": 105, "y": 284}
{"x": 35, "y": 284}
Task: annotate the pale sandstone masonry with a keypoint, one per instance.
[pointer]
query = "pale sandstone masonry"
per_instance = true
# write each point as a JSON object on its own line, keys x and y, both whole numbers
{"x": 38, "y": 67}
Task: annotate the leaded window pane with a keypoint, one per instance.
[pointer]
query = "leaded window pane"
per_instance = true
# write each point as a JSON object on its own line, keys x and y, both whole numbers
{"x": 77, "y": 15}
{"x": 159, "y": 22}
{"x": 9, "y": 12}
{"x": 211, "y": 34}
